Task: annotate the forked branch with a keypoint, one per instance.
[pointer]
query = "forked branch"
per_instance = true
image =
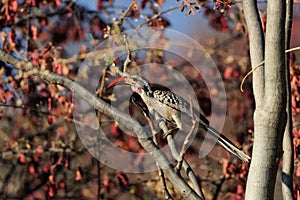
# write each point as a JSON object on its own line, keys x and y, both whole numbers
{"x": 179, "y": 183}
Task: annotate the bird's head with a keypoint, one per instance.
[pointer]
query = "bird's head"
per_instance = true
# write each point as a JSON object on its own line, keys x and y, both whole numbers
{"x": 138, "y": 84}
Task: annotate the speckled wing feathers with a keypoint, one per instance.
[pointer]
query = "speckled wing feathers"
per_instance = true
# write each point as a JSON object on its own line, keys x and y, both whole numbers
{"x": 172, "y": 100}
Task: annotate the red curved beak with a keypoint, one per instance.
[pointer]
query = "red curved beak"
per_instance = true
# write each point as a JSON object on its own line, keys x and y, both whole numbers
{"x": 117, "y": 81}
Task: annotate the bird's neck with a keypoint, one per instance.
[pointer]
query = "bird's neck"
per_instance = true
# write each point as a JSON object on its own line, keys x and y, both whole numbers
{"x": 147, "y": 92}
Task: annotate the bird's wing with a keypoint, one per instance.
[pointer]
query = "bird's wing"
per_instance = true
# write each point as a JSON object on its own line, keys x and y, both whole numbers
{"x": 178, "y": 103}
{"x": 138, "y": 102}
{"x": 172, "y": 100}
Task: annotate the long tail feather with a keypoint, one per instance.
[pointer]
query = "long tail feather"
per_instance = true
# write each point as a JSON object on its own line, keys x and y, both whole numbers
{"x": 228, "y": 145}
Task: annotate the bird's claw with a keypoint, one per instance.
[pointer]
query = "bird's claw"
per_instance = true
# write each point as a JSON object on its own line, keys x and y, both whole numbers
{"x": 169, "y": 132}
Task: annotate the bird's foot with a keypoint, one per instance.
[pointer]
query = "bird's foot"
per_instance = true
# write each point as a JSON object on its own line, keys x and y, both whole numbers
{"x": 170, "y": 131}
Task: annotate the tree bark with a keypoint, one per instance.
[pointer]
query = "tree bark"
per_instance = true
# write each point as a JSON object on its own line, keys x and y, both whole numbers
{"x": 257, "y": 47}
{"x": 288, "y": 146}
{"x": 270, "y": 114}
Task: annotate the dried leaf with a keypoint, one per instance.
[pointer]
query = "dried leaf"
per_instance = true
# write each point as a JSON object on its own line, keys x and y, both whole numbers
{"x": 182, "y": 7}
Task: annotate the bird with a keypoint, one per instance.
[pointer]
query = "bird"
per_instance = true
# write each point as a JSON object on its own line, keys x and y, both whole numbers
{"x": 170, "y": 106}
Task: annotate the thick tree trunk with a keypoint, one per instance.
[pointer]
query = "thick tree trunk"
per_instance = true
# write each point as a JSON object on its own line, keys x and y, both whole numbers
{"x": 270, "y": 113}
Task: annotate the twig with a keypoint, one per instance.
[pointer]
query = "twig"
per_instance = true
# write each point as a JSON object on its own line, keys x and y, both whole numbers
{"x": 189, "y": 171}
{"x": 292, "y": 49}
{"x": 155, "y": 140}
{"x": 70, "y": 4}
{"x": 48, "y": 113}
{"x": 31, "y": 109}
{"x": 186, "y": 140}
{"x": 155, "y": 17}
{"x": 100, "y": 54}
{"x": 99, "y": 93}
{"x": 49, "y": 129}
{"x": 219, "y": 187}
{"x": 6, "y": 179}
{"x": 8, "y": 154}
{"x": 250, "y": 72}
{"x": 160, "y": 171}
{"x": 128, "y": 58}
{"x": 185, "y": 165}
{"x": 133, "y": 3}
{"x": 260, "y": 64}
{"x": 163, "y": 180}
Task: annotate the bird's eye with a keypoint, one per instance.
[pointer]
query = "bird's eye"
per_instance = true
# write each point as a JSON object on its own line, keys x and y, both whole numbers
{"x": 145, "y": 89}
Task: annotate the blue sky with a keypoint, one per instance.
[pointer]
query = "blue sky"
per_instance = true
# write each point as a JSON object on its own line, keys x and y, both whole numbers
{"x": 179, "y": 21}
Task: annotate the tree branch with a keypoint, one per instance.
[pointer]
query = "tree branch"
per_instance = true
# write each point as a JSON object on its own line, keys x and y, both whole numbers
{"x": 176, "y": 156}
{"x": 288, "y": 146}
{"x": 147, "y": 143}
{"x": 275, "y": 54}
{"x": 256, "y": 45}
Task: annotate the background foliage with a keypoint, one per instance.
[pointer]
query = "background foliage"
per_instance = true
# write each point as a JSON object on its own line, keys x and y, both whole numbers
{"x": 41, "y": 154}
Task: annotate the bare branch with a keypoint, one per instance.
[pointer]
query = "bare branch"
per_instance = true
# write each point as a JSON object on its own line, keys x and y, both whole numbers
{"x": 66, "y": 118}
{"x": 256, "y": 44}
{"x": 120, "y": 21}
{"x": 250, "y": 72}
{"x": 263, "y": 62}
{"x": 166, "y": 192}
{"x": 179, "y": 183}
{"x": 128, "y": 58}
{"x": 185, "y": 165}
{"x": 187, "y": 139}
{"x": 156, "y": 16}
{"x": 7, "y": 155}
{"x": 288, "y": 145}
{"x": 190, "y": 173}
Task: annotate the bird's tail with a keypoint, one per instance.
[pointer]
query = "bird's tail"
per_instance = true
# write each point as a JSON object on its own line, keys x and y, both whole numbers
{"x": 228, "y": 145}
